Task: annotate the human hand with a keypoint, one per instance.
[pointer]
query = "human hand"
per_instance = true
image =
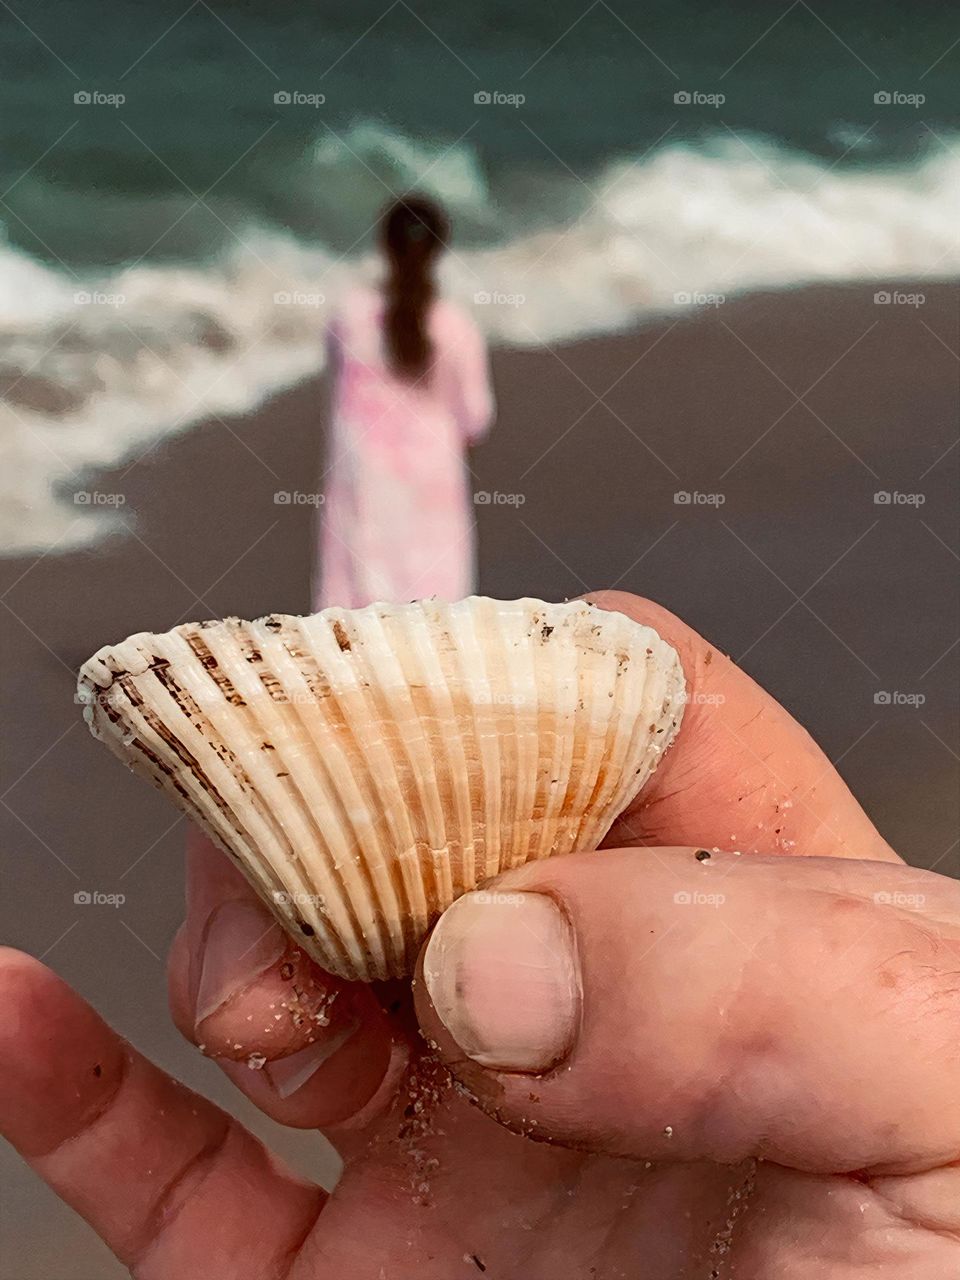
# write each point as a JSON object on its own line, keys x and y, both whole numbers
{"x": 741, "y": 1088}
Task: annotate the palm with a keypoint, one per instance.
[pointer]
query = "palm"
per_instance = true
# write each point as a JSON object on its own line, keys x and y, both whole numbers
{"x": 445, "y": 1191}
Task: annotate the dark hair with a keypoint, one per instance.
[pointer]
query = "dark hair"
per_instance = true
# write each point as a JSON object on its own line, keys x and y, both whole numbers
{"x": 413, "y": 233}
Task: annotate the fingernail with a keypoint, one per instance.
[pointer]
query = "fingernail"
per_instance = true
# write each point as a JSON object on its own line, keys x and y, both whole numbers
{"x": 241, "y": 941}
{"x": 291, "y": 1073}
{"x": 502, "y": 972}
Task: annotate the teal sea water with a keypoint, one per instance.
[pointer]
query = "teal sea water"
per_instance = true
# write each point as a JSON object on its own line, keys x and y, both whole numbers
{"x": 399, "y": 81}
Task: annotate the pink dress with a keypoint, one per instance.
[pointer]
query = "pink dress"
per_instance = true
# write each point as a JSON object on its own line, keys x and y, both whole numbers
{"x": 397, "y": 519}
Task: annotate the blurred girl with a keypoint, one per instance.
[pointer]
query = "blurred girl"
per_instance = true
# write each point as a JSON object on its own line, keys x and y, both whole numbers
{"x": 411, "y": 392}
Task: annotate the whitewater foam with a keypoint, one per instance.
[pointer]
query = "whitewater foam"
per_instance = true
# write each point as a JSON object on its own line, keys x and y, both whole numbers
{"x": 96, "y": 371}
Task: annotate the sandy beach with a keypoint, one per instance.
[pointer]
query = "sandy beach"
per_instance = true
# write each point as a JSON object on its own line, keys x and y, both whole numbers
{"x": 725, "y": 462}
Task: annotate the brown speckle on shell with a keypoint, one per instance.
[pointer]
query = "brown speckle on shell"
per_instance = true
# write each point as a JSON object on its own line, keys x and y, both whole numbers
{"x": 341, "y": 637}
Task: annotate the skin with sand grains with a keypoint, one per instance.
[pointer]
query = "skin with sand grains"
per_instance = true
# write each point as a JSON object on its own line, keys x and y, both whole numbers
{"x": 711, "y": 1030}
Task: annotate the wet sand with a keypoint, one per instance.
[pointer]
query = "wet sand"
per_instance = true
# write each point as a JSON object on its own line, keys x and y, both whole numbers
{"x": 780, "y": 415}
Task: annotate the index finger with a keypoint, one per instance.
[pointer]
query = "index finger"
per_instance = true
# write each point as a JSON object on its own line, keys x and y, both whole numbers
{"x": 742, "y": 774}
{"x": 173, "y": 1185}
{"x": 313, "y": 1049}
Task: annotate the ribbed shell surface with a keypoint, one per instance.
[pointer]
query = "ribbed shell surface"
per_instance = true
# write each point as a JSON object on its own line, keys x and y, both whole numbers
{"x": 366, "y": 767}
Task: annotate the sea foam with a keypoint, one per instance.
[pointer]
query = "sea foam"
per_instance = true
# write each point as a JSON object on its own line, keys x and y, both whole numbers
{"x": 98, "y": 370}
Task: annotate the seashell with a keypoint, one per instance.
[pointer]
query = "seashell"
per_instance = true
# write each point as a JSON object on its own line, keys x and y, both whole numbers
{"x": 366, "y": 767}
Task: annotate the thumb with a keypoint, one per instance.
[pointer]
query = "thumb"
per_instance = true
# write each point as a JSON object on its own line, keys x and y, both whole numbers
{"x": 670, "y": 1003}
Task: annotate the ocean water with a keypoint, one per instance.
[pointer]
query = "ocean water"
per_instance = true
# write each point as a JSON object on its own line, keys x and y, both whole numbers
{"x": 187, "y": 188}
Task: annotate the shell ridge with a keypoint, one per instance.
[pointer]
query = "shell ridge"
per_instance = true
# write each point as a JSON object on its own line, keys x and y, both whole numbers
{"x": 557, "y": 767}
{"x": 147, "y": 762}
{"x": 369, "y": 819}
{"x": 628, "y": 735}
{"x": 663, "y": 691}
{"x": 395, "y": 761}
{"x": 287, "y": 728}
{"x": 343, "y": 782}
{"x": 583, "y": 728}
{"x": 429, "y": 777}
{"x": 420, "y": 777}
{"x": 380, "y": 785}
{"x": 427, "y": 764}
{"x": 258, "y": 717}
{"x": 595, "y": 776}
{"x": 462, "y": 661}
{"x": 443, "y": 680}
{"x": 183, "y": 698}
{"x": 506, "y": 782}
{"x": 150, "y": 740}
{"x": 613, "y": 750}
{"x": 459, "y": 658}
{"x": 479, "y": 692}
{"x": 621, "y": 738}
{"x": 527, "y": 708}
